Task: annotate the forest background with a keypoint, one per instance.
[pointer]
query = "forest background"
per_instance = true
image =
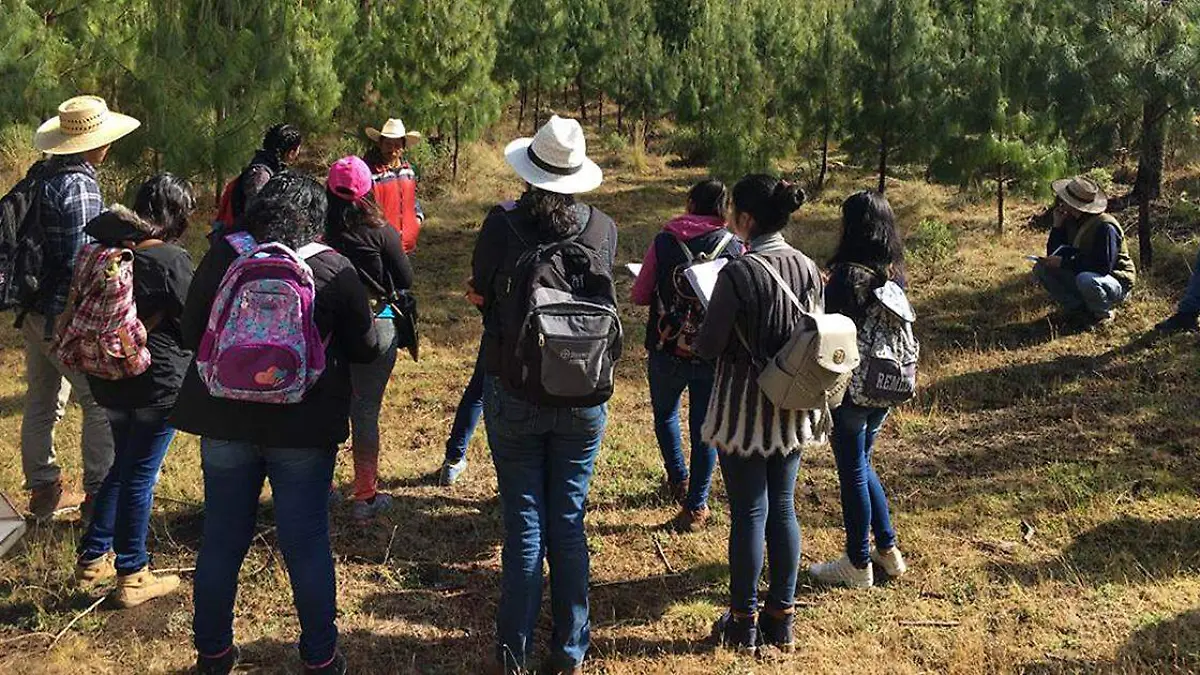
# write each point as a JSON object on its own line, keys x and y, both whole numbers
{"x": 993, "y": 95}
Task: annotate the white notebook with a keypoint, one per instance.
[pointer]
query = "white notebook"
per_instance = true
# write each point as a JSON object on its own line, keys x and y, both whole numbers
{"x": 634, "y": 268}
{"x": 703, "y": 278}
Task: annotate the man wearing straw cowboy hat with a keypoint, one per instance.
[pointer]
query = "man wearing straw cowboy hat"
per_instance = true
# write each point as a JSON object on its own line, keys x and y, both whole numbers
{"x": 1087, "y": 268}
{"x": 395, "y": 181}
{"x": 78, "y": 140}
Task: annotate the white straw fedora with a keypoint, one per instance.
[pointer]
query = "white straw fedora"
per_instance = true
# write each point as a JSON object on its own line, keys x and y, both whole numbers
{"x": 83, "y": 123}
{"x": 1082, "y": 194}
{"x": 394, "y": 128}
{"x": 555, "y": 159}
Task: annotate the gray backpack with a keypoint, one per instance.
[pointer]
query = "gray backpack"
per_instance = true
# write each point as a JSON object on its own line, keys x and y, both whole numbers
{"x": 887, "y": 375}
{"x": 813, "y": 368}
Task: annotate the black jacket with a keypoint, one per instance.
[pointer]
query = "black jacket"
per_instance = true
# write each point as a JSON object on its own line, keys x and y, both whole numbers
{"x": 378, "y": 255}
{"x": 321, "y": 420}
{"x": 161, "y": 277}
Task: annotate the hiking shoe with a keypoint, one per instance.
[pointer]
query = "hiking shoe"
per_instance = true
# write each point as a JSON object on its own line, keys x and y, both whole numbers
{"x": 678, "y": 491}
{"x": 92, "y": 573}
{"x": 1179, "y": 322}
{"x": 336, "y": 666}
{"x": 737, "y": 632}
{"x": 890, "y": 560}
{"x": 775, "y": 629}
{"x": 366, "y": 509}
{"x": 218, "y": 665}
{"x": 842, "y": 572}
{"x": 688, "y": 521}
{"x": 560, "y": 665}
{"x": 134, "y": 589}
{"x": 46, "y": 500}
{"x": 451, "y": 472}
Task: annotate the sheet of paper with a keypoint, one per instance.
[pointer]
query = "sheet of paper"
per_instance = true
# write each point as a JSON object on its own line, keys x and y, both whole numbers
{"x": 703, "y": 278}
{"x": 12, "y": 525}
{"x": 634, "y": 268}
{"x": 1032, "y": 258}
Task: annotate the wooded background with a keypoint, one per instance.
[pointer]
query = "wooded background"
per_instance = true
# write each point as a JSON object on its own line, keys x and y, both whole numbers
{"x": 1002, "y": 94}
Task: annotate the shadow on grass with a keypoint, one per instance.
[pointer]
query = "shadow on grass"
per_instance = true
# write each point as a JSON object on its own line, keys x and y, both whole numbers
{"x": 1127, "y": 550}
{"x": 1170, "y": 646}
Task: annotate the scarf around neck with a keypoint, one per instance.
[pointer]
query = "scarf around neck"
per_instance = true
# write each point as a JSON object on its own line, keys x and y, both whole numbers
{"x": 769, "y": 243}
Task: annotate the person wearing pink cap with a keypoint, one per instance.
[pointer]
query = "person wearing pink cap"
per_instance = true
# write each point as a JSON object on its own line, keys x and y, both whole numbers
{"x": 356, "y": 228}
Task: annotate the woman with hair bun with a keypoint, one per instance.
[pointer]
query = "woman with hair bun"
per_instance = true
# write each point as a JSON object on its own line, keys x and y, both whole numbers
{"x": 749, "y": 319}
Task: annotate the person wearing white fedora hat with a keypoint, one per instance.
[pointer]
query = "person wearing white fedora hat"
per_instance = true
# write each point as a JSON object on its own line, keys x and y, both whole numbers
{"x": 394, "y": 179}
{"x": 1087, "y": 268}
{"x": 538, "y": 263}
{"x": 78, "y": 140}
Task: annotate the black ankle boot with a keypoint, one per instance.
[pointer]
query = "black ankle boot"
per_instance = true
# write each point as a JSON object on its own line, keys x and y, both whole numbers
{"x": 775, "y": 629}
{"x": 736, "y": 631}
{"x": 219, "y": 665}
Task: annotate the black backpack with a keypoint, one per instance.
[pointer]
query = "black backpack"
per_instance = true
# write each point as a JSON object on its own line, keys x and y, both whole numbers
{"x": 560, "y": 333}
{"x": 680, "y": 313}
{"x": 22, "y": 241}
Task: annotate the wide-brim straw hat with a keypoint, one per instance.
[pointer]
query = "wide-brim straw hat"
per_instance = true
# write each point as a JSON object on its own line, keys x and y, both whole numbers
{"x": 555, "y": 159}
{"x": 1081, "y": 194}
{"x": 394, "y": 129}
{"x": 83, "y": 123}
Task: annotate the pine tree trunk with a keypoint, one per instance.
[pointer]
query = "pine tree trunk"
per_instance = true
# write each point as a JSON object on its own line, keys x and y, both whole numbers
{"x": 824, "y": 157}
{"x": 537, "y": 104}
{"x": 1150, "y": 169}
{"x": 364, "y": 7}
{"x": 1000, "y": 204}
{"x": 582, "y": 98}
{"x": 600, "y": 111}
{"x": 457, "y": 135}
{"x": 887, "y": 104}
{"x": 521, "y": 110}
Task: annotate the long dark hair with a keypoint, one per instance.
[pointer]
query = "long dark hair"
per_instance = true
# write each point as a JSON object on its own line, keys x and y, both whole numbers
{"x": 709, "y": 198}
{"x": 869, "y": 236}
{"x": 166, "y": 201}
{"x": 290, "y": 210}
{"x": 344, "y": 215}
{"x": 769, "y": 200}
{"x": 279, "y": 141}
{"x": 553, "y": 212}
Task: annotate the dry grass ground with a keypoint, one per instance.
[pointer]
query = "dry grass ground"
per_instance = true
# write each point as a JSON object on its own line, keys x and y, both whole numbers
{"x": 1089, "y": 438}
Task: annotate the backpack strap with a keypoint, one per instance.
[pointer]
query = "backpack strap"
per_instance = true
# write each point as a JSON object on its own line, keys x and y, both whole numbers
{"x": 311, "y": 250}
{"x": 720, "y": 247}
{"x": 242, "y": 242}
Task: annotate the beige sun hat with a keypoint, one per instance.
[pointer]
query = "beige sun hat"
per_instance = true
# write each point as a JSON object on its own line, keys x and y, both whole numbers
{"x": 83, "y": 123}
{"x": 555, "y": 159}
{"x": 394, "y": 128}
{"x": 1082, "y": 194}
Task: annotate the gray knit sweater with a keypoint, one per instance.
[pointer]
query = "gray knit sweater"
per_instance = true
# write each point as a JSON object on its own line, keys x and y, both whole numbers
{"x": 740, "y": 419}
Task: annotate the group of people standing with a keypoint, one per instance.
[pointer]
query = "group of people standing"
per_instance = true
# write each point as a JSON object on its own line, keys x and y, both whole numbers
{"x": 542, "y": 278}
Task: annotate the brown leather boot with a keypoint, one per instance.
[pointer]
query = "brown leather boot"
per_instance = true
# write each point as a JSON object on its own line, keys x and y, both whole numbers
{"x": 92, "y": 573}
{"x": 688, "y": 521}
{"x": 45, "y": 500}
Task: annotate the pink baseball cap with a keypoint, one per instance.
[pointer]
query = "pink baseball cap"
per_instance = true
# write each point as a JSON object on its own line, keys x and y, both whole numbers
{"x": 349, "y": 178}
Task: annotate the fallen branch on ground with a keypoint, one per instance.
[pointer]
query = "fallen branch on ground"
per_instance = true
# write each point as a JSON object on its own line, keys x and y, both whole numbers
{"x": 388, "y": 554}
{"x": 662, "y": 554}
{"x": 930, "y": 624}
{"x": 78, "y": 616}
{"x": 626, "y": 582}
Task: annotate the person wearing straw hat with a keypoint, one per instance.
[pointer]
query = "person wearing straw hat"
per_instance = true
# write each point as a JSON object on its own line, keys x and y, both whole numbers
{"x": 1087, "y": 269}
{"x": 78, "y": 140}
{"x": 394, "y": 179}
{"x": 544, "y": 449}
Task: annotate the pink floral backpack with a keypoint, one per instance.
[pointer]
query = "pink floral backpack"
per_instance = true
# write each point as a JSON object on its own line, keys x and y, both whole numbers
{"x": 99, "y": 333}
{"x": 262, "y": 344}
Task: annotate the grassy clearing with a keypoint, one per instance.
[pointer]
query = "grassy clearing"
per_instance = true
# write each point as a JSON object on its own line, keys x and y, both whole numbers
{"x": 1090, "y": 438}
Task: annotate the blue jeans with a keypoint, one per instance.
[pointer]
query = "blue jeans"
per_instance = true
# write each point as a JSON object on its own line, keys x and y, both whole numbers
{"x": 470, "y": 407}
{"x": 864, "y": 504}
{"x": 1190, "y": 304}
{"x": 141, "y": 438}
{"x": 233, "y": 479}
{"x": 761, "y": 493}
{"x": 669, "y": 376}
{"x": 1099, "y": 294}
{"x": 544, "y": 459}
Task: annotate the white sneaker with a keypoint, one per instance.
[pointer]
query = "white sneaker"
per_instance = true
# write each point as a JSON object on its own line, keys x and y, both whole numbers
{"x": 890, "y": 560}
{"x": 842, "y": 572}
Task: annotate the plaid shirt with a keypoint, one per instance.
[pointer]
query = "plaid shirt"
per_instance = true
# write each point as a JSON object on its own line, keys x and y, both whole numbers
{"x": 69, "y": 202}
